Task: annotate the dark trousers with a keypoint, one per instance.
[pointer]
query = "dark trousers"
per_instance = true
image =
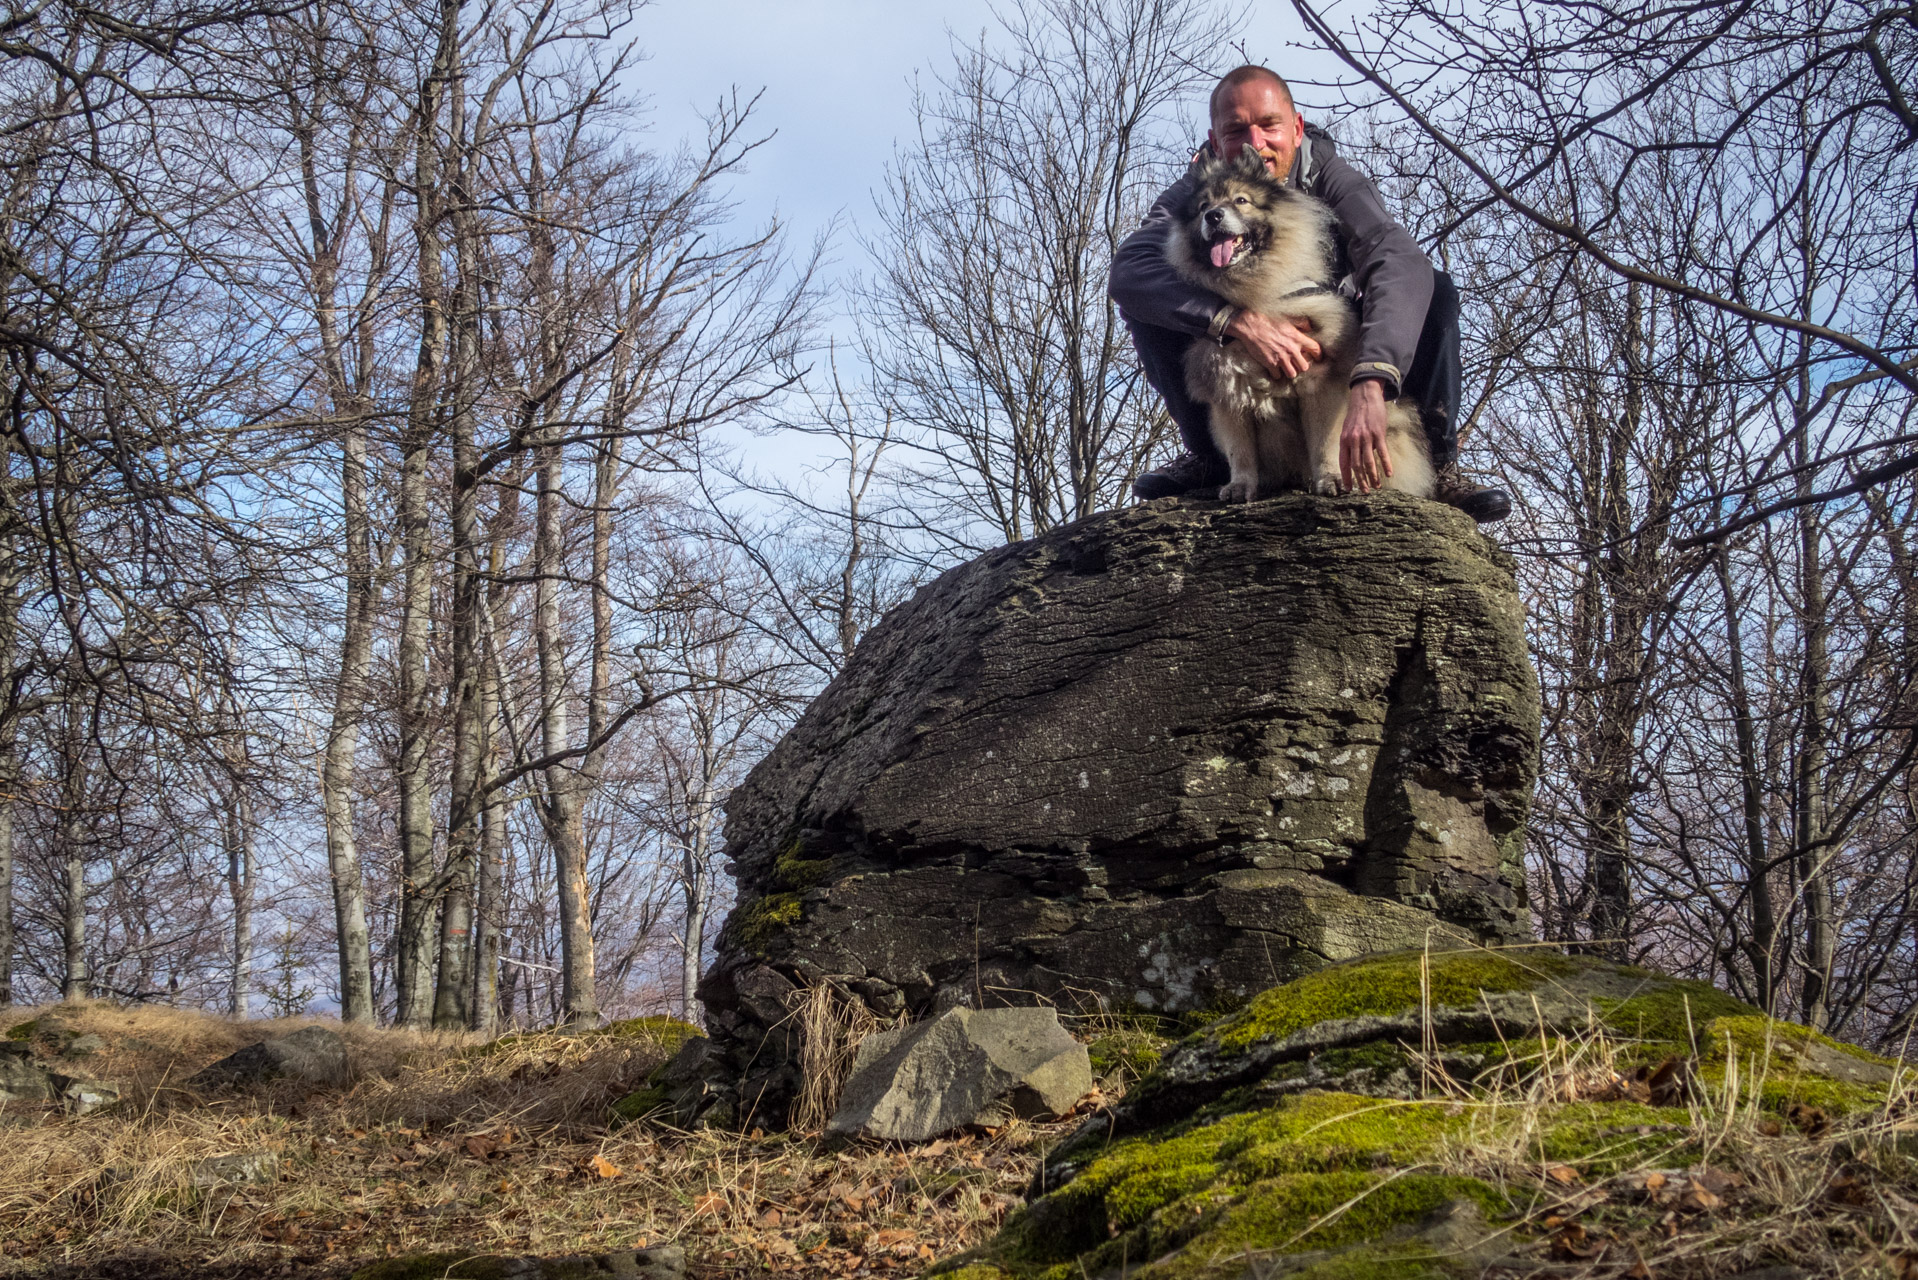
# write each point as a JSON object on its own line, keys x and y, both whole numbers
{"x": 1433, "y": 382}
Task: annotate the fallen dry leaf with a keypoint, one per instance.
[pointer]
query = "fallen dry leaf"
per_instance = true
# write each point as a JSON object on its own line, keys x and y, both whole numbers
{"x": 711, "y": 1202}
{"x": 1563, "y": 1174}
{"x": 1698, "y": 1200}
{"x": 601, "y": 1167}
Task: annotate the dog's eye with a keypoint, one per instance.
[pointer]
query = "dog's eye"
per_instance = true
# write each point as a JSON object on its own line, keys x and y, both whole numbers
{"x": 1241, "y": 200}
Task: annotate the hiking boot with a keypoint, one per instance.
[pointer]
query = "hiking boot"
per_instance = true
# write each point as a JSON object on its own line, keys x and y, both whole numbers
{"x": 1183, "y": 474}
{"x": 1482, "y": 504}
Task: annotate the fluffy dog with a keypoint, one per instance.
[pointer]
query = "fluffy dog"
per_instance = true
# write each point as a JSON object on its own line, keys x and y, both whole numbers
{"x": 1267, "y": 247}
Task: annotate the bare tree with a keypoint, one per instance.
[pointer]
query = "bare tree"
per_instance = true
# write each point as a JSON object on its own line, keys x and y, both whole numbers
{"x": 993, "y": 342}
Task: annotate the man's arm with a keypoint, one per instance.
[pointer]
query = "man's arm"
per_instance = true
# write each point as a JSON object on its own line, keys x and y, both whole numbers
{"x": 1147, "y": 287}
{"x": 1393, "y": 274}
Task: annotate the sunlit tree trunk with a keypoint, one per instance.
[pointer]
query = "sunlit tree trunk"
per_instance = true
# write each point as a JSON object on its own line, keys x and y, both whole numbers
{"x": 414, "y": 945}
{"x": 561, "y": 808}
{"x": 239, "y": 877}
{"x": 75, "y": 981}
{"x": 453, "y": 997}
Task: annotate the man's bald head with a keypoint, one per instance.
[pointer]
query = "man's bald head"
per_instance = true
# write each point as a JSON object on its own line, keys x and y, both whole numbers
{"x": 1252, "y": 107}
{"x": 1246, "y": 75}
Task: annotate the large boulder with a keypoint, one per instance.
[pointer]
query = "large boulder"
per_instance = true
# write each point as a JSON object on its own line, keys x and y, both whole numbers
{"x": 967, "y": 1066}
{"x": 312, "y": 1054}
{"x": 1158, "y": 759}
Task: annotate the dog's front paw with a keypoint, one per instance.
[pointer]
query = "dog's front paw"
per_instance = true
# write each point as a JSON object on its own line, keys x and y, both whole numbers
{"x": 1326, "y": 486}
{"x": 1239, "y": 491}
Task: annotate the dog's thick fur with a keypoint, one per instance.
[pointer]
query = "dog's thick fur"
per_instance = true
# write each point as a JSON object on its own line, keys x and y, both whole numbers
{"x": 1278, "y": 432}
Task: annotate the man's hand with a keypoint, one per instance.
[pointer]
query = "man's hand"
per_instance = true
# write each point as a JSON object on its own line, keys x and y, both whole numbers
{"x": 1281, "y": 345}
{"x": 1363, "y": 460}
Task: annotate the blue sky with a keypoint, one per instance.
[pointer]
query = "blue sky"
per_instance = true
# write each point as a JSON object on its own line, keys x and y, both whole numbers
{"x": 837, "y": 76}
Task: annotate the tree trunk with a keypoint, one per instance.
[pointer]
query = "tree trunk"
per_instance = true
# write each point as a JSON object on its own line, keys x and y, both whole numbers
{"x": 1814, "y": 853}
{"x": 239, "y": 879}
{"x": 452, "y": 1002}
{"x": 339, "y": 763}
{"x": 414, "y": 945}
{"x": 696, "y": 860}
{"x": 8, "y": 780}
{"x": 339, "y": 766}
{"x": 560, "y": 807}
{"x": 490, "y": 910}
{"x": 75, "y": 981}
{"x": 1761, "y": 947}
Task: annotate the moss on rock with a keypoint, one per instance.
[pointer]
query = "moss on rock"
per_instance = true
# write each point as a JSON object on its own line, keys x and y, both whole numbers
{"x": 757, "y": 925}
{"x": 1230, "y": 1150}
{"x": 1384, "y": 985}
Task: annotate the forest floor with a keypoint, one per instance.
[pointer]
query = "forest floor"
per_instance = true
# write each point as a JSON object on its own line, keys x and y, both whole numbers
{"x": 445, "y": 1143}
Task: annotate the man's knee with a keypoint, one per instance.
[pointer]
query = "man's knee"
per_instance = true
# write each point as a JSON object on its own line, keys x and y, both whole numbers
{"x": 1162, "y": 360}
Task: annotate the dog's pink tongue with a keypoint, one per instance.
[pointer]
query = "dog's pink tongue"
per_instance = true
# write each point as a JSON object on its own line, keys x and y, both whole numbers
{"x": 1222, "y": 252}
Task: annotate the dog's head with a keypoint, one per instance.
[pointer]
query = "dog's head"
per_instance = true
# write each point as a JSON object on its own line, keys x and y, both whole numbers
{"x": 1239, "y": 214}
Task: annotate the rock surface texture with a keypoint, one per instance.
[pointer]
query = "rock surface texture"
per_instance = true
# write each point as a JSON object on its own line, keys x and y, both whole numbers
{"x": 964, "y": 1067}
{"x": 313, "y": 1054}
{"x": 1162, "y": 758}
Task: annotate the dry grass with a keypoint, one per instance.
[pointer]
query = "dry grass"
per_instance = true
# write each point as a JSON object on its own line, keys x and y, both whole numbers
{"x": 831, "y": 1025}
{"x": 441, "y": 1145}
{"x": 1728, "y": 1187}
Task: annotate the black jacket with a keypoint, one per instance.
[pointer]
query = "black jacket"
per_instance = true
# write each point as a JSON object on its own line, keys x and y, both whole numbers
{"x": 1391, "y": 274}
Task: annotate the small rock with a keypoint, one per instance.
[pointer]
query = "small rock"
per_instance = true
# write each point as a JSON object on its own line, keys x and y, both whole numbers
{"x": 21, "y": 1080}
{"x": 82, "y": 1046}
{"x": 84, "y": 1097}
{"x": 965, "y": 1066}
{"x": 313, "y": 1054}
{"x": 242, "y": 1169}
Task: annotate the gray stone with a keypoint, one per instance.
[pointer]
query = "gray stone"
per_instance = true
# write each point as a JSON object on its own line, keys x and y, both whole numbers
{"x": 967, "y": 1066}
{"x": 82, "y": 1046}
{"x": 1159, "y": 759}
{"x": 241, "y": 1169}
{"x": 312, "y": 1054}
{"x": 84, "y": 1097}
{"x": 21, "y": 1079}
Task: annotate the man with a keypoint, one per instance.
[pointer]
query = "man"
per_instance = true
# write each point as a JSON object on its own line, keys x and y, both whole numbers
{"x": 1408, "y": 312}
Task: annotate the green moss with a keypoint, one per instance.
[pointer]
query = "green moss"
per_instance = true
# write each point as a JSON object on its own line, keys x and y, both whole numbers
{"x": 640, "y": 1103}
{"x": 1377, "y": 1056}
{"x": 1383, "y": 985}
{"x": 1604, "y": 1137}
{"x": 1306, "y": 1211}
{"x": 1755, "y": 1034}
{"x": 22, "y": 1030}
{"x": 794, "y": 870}
{"x": 1671, "y": 1013}
{"x": 757, "y": 925}
{"x": 1138, "y": 1177}
{"x": 668, "y": 1033}
{"x": 974, "y": 1271}
{"x": 1133, "y": 1051}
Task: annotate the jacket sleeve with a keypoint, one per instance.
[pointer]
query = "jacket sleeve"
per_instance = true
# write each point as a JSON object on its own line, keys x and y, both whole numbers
{"x": 1147, "y": 287}
{"x": 1393, "y": 275}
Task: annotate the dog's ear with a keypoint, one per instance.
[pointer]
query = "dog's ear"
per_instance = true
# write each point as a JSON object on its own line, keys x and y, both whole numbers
{"x": 1251, "y": 163}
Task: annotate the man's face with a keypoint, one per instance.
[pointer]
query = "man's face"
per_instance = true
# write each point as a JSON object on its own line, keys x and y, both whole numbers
{"x": 1256, "y": 114}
